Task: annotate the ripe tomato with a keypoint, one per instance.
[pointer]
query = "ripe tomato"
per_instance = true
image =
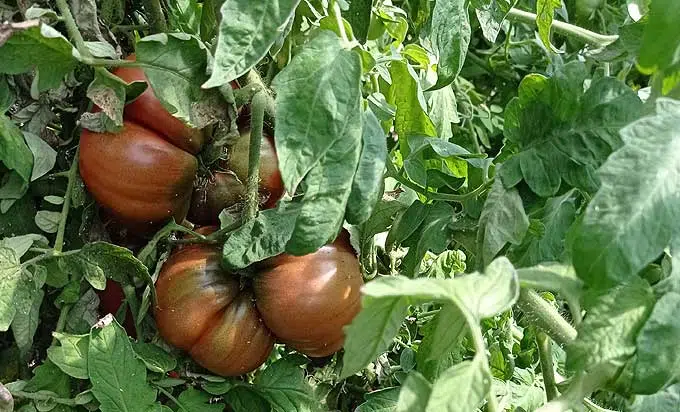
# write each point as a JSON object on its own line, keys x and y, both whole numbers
{"x": 214, "y": 193}
{"x": 148, "y": 111}
{"x": 230, "y": 329}
{"x": 142, "y": 179}
{"x": 110, "y": 300}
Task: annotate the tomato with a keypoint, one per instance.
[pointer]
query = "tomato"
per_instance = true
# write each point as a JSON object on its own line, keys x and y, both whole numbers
{"x": 271, "y": 184}
{"x": 139, "y": 177}
{"x": 148, "y": 111}
{"x": 230, "y": 328}
{"x": 218, "y": 191}
{"x": 110, "y": 300}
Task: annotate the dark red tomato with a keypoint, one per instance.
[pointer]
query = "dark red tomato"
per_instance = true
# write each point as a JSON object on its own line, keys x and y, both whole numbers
{"x": 110, "y": 300}
{"x": 304, "y": 301}
{"x": 200, "y": 309}
{"x": 142, "y": 179}
{"x": 307, "y": 300}
{"x": 270, "y": 176}
{"x": 214, "y": 193}
{"x": 148, "y": 111}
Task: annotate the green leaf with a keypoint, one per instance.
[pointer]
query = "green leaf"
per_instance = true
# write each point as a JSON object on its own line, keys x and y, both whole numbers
{"x": 368, "y": 181}
{"x": 383, "y": 400}
{"x": 44, "y": 157}
{"x": 246, "y": 399}
{"x": 658, "y": 359}
{"x": 14, "y": 153}
{"x": 6, "y": 95}
{"x": 434, "y": 234}
{"x": 414, "y": 394}
{"x": 633, "y": 216}
{"x": 245, "y": 36}
{"x": 48, "y": 378}
{"x": 16, "y": 288}
{"x": 667, "y": 400}
{"x": 491, "y": 14}
{"x": 118, "y": 377}
{"x": 411, "y": 118}
{"x": 21, "y": 244}
{"x": 26, "y": 323}
{"x": 193, "y": 400}
{"x": 472, "y": 384}
{"x": 185, "y": 15}
{"x": 262, "y": 237}
{"x": 320, "y": 143}
{"x": 155, "y": 358}
{"x": 656, "y": 55}
{"x": 406, "y": 224}
{"x": 502, "y": 221}
{"x": 47, "y": 220}
{"x": 450, "y": 37}
{"x": 107, "y": 91}
{"x": 609, "y": 331}
{"x": 283, "y": 384}
{"x": 39, "y": 46}
{"x": 440, "y": 342}
{"x": 308, "y": 129}
{"x": 175, "y": 65}
{"x": 545, "y": 10}
{"x": 72, "y": 355}
{"x": 556, "y": 217}
{"x": 84, "y": 313}
{"x": 561, "y": 132}
{"x": 359, "y": 17}
{"x": 443, "y": 111}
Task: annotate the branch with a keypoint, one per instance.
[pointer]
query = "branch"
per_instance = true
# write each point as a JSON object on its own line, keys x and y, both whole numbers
{"x": 547, "y": 368}
{"x": 544, "y": 315}
{"x": 155, "y": 15}
{"x": 567, "y": 29}
{"x": 253, "y": 183}
{"x": 72, "y": 172}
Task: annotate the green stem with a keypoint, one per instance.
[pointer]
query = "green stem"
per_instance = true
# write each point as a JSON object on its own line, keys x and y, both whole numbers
{"x": 170, "y": 396}
{"x": 547, "y": 367}
{"x": 545, "y": 316}
{"x": 480, "y": 349}
{"x": 155, "y": 14}
{"x": 72, "y": 28}
{"x": 253, "y": 182}
{"x": 269, "y": 103}
{"x": 59, "y": 241}
{"x": 341, "y": 23}
{"x": 566, "y": 29}
{"x": 581, "y": 386}
{"x": 42, "y": 396}
{"x": 95, "y": 62}
{"x": 61, "y": 322}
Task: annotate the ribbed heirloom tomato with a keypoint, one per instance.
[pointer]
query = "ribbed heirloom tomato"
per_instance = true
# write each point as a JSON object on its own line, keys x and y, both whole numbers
{"x": 302, "y": 301}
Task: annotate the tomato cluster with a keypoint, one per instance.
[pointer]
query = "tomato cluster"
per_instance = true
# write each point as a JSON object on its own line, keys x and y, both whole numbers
{"x": 230, "y": 328}
{"x": 149, "y": 172}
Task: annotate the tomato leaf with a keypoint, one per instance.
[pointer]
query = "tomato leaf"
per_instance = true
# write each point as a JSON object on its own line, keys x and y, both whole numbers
{"x": 245, "y": 36}
{"x": 491, "y": 14}
{"x": 108, "y": 91}
{"x": 17, "y": 288}
{"x": 656, "y": 55}
{"x": 414, "y": 394}
{"x": 155, "y": 358}
{"x": 657, "y": 358}
{"x": 175, "y": 65}
{"x": 367, "y": 184}
{"x": 472, "y": 383}
{"x": 118, "y": 377}
{"x": 503, "y": 221}
{"x": 72, "y": 355}
{"x": 26, "y": 323}
{"x": 450, "y": 37}
{"x": 6, "y": 400}
{"x": 359, "y": 17}
{"x": 434, "y": 234}
{"x": 14, "y": 152}
{"x": 44, "y": 156}
{"x": 562, "y": 132}
{"x": 193, "y": 400}
{"x": 383, "y": 400}
{"x": 437, "y": 352}
{"x": 662, "y": 401}
{"x": 633, "y": 217}
{"x": 283, "y": 384}
{"x": 545, "y": 11}
{"x": 443, "y": 110}
{"x": 262, "y": 237}
{"x": 39, "y": 46}
{"x": 6, "y": 95}
{"x": 246, "y": 399}
{"x": 185, "y": 15}
{"x": 600, "y": 339}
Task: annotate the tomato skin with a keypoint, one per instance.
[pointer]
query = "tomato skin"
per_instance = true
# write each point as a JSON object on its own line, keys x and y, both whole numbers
{"x": 307, "y": 300}
{"x": 140, "y": 178}
{"x": 219, "y": 191}
{"x": 271, "y": 183}
{"x": 110, "y": 300}
{"x": 201, "y": 310}
{"x": 148, "y": 111}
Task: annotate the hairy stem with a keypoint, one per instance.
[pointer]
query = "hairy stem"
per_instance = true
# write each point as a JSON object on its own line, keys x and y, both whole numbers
{"x": 253, "y": 183}
{"x": 155, "y": 15}
{"x": 72, "y": 172}
{"x": 567, "y": 29}
{"x": 547, "y": 368}
{"x": 341, "y": 23}
{"x": 480, "y": 349}
{"x": 545, "y": 316}
{"x": 72, "y": 28}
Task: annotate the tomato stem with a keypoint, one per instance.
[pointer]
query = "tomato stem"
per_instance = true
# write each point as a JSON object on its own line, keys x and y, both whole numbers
{"x": 59, "y": 241}
{"x": 155, "y": 14}
{"x": 547, "y": 367}
{"x": 253, "y": 182}
{"x": 545, "y": 316}
{"x": 61, "y": 322}
{"x": 72, "y": 28}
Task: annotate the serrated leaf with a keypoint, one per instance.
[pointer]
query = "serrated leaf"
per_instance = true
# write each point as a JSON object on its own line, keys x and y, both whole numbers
{"x": 368, "y": 180}
{"x": 107, "y": 91}
{"x": 44, "y": 156}
{"x": 21, "y": 244}
{"x": 633, "y": 216}
{"x": 155, "y": 358}
{"x": 545, "y": 10}
{"x": 193, "y": 400}
{"x": 36, "y": 45}
{"x": 246, "y": 399}
{"x": 283, "y": 384}
{"x": 562, "y": 132}
{"x": 491, "y": 14}
{"x": 414, "y": 394}
{"x": 245, "y": 36}
{"x": 118, "y": 377}
{"x": 450, "y": 37}
{"x": 175, "y": 65}
{"x": 14, "y": 153}
{"x": 71, "y": 356}
{"x": 383, "y": 400}
{"x": 472, "y": 384}
{"x": 502, "y": 221}
{"x": 16, "y": 288}
{"x": 657, "y": 358}
{"x": 442, "y": 337}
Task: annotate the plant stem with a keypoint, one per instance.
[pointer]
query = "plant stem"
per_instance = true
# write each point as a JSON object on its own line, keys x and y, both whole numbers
{"x": 269, "y": 103}
{"x": 580, "y": 387}
{"x": 547, "y": 368}
{"x": 72, "y": 28}
{"x": 567, "y": 29}
{"x": 155, "y": 15}
{"x": 545, "y": 316}
{"x": 480, "y": 349}
{"x": 341, "y": 23}
{"x": 61, "y": 322}
{"x": 95, "y": 62}
{"x": 59, "y": 241}
{"x": 253, "y": 182}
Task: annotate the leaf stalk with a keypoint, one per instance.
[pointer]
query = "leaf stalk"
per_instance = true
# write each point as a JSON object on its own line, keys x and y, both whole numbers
{"x": 545, "y": 316}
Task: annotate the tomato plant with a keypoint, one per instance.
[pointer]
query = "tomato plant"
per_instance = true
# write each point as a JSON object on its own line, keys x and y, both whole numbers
{"x": 329, "y": 205}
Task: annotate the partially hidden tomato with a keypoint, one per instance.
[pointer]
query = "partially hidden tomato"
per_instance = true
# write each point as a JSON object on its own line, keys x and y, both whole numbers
{"x": 110, "y": 300}
{"x": 229, "y": 326}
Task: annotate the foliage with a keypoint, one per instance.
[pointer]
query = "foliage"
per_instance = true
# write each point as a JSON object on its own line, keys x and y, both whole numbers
{"x": 507, "y": 172}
